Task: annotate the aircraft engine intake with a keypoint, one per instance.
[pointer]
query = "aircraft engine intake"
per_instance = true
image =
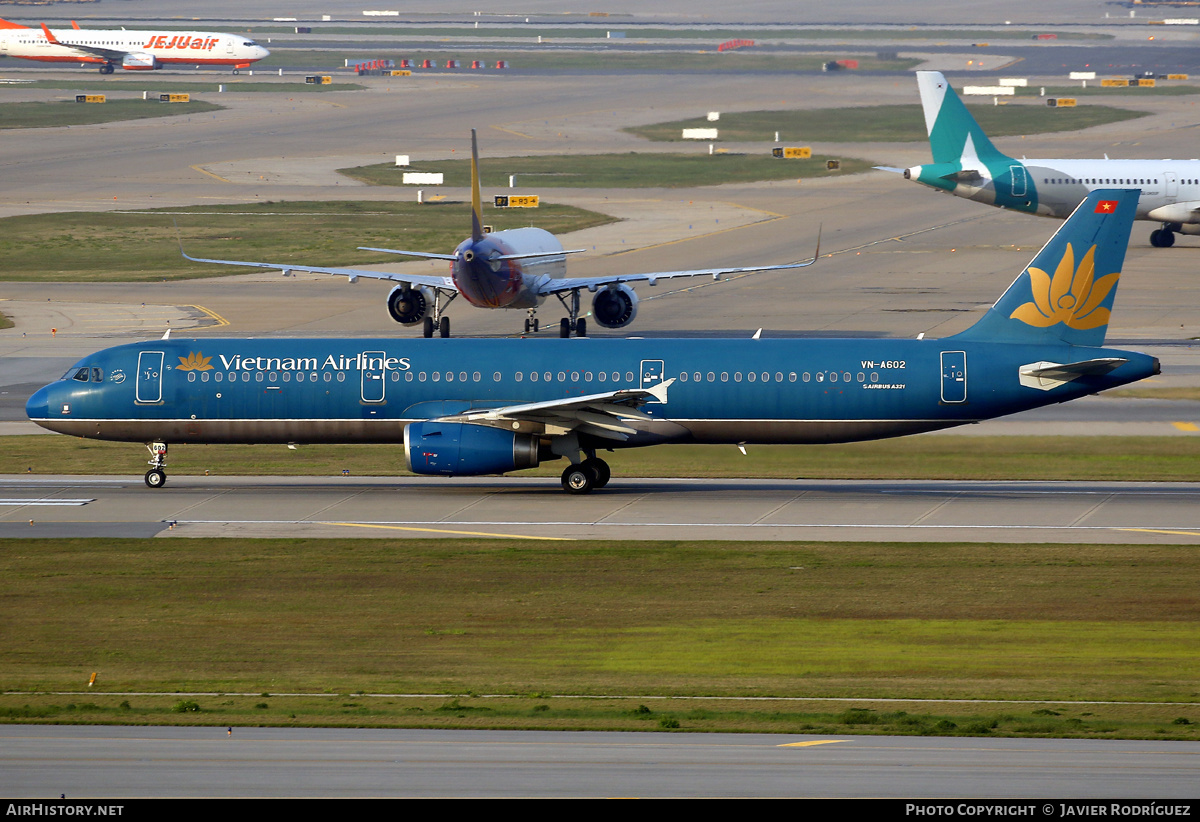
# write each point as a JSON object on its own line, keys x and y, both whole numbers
{"x": 408, "y": 306}
{"x": 466, "y": 450}
{"x": 140, "y": 61}
{"x": 615, "y": 307}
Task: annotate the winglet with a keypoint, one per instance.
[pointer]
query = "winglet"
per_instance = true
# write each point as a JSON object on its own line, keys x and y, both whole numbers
{"x": 74, "y": 25}
{"x": 659, "y": 392}
{"x": 50, "y": 36}
{"x": 476, "y": 200}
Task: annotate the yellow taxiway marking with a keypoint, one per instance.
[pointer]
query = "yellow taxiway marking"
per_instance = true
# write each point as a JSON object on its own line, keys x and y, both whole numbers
{"x": 1154, "y": 531}
{"x": 210, "y": 174}
{"x": 810, "y": 744}
{"x": 440, "y": 531}
{"x": 510, "y": 131}
{"x": 1186, "y": 426}
{"x": 220, "y": 321}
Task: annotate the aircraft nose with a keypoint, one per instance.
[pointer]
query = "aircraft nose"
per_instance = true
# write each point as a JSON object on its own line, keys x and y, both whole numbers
{"x": 38, "y": 406}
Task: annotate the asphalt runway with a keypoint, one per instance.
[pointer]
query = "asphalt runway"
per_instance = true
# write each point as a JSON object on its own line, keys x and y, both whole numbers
{"x": 631, "y": 509}
{"x": 101, "y": 762}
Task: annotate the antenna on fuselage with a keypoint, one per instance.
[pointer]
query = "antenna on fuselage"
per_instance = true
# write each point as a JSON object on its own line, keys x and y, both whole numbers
{"x": 476, "y": 200}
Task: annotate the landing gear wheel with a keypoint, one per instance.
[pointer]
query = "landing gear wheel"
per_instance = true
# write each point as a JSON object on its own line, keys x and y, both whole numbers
{"x": 444, "y": 327}
{"x": 535, "y": 325}
{"x": 1162, "y": 238}
{"x": 527, "y": 324}
{"x": 581, "y": 327}
{"x": 156, "y": 478}
{"x": 427, "y": 328}
{"x": 578, "y": 479}
{"x": 564, "y": 328}
{"x": 600, "y": 468}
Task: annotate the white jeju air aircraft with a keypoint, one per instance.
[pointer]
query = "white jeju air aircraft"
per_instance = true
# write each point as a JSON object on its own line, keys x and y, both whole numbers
{"x": 132, "y": 50}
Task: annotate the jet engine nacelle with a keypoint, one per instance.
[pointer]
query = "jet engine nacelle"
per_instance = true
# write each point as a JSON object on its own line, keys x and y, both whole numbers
{"x": 408, "y": 306}
{"x": 466, "y": 450}
{"x": 140, "y": 61}
{"x": 615, "y": 307}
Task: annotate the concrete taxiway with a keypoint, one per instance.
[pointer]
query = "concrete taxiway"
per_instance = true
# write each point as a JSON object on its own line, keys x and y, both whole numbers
{"x": 535, "y": 508}
{"x": 99, "y": 762}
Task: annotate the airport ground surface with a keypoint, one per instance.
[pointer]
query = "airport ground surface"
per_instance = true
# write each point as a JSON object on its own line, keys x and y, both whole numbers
{"x": 99, "y": 762}
{"x": 678, "y": 509}
{"x": 902, "y": 261}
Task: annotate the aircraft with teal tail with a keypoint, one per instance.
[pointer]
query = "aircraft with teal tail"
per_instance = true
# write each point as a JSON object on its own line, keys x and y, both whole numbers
{"x": 468, "y": 407}
{"x": 967, "y": 164}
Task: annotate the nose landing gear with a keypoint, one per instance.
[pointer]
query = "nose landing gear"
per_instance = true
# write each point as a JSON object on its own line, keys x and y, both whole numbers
{"x": 156, "y": 477}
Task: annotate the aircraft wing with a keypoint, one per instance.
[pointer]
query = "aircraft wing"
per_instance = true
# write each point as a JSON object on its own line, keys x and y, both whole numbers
{"x": 98, "y": 51}
{"x": 602, "y": 415}
{"x": 353, "y": 273}
{"x": 559, "y": 286}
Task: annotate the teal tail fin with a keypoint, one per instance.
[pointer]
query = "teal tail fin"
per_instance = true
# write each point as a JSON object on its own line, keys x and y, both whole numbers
{"x": 1066, "y": 292}
{"x": 953, "y": 133}
{"x": 476, "y": 200}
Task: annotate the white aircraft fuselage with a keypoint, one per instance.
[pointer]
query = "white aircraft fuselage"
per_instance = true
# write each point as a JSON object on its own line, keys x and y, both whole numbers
{"x": 132, "y": 50}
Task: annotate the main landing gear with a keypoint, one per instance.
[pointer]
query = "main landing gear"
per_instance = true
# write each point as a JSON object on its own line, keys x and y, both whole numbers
{"x": 442, "y": 324}
{"x": 107, "y": 68}
{"x": 582, "y": 477}
{"x": 156, "y": 477}
{"x": 1164, "y": 237}
{"x": 572, "y": 324}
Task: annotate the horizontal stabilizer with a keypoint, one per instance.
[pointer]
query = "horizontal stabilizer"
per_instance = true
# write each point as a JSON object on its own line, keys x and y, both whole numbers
{"x": 423, "y": 254}
{"x": 1047, "y": 375}
{"x": 967, "y": 175}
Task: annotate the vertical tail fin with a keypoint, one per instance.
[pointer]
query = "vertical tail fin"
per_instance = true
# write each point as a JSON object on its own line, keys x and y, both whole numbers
{"x": 1066, "y": 292}
{"x": 476, "y": 200}
{"x": 953, "y": 133}
{"x": 5, "y": 24}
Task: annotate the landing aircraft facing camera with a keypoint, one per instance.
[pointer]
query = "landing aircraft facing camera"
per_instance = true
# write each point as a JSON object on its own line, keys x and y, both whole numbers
{"x": 472, "y": 407}
{"x": 966, "y": 164}
{"x": 517, "y": 269}
{"x": 131, "y": 50}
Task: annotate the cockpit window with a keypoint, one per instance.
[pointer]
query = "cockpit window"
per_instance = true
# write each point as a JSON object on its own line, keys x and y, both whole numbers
{"x": 97, "y": 375}
{"x": 249, "y": 43}
{"x": 83, "y": 374}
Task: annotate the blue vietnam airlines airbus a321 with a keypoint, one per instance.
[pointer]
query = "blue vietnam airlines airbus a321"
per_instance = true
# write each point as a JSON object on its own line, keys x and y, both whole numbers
{"x": 470, "y": 407}
{"x": 516, "y": 269}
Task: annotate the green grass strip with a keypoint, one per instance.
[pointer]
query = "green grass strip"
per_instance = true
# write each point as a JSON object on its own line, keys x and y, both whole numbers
{"x": 861, "y": 621}
{"x": 144, "y": 245}
{"x": 70, "y": 113}
{"x": 888, "y": 124}
{"x": 630, "y": 170}
{"x": 1136, "y": 459}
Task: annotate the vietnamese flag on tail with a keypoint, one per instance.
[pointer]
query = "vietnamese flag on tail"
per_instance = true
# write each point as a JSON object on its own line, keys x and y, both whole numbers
{"x": 1106, "y": 207}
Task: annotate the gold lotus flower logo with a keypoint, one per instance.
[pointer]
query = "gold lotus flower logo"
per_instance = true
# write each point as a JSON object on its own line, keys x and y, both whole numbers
{"x": 1072, "y": 296}
{"x": 195, "y": 361}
